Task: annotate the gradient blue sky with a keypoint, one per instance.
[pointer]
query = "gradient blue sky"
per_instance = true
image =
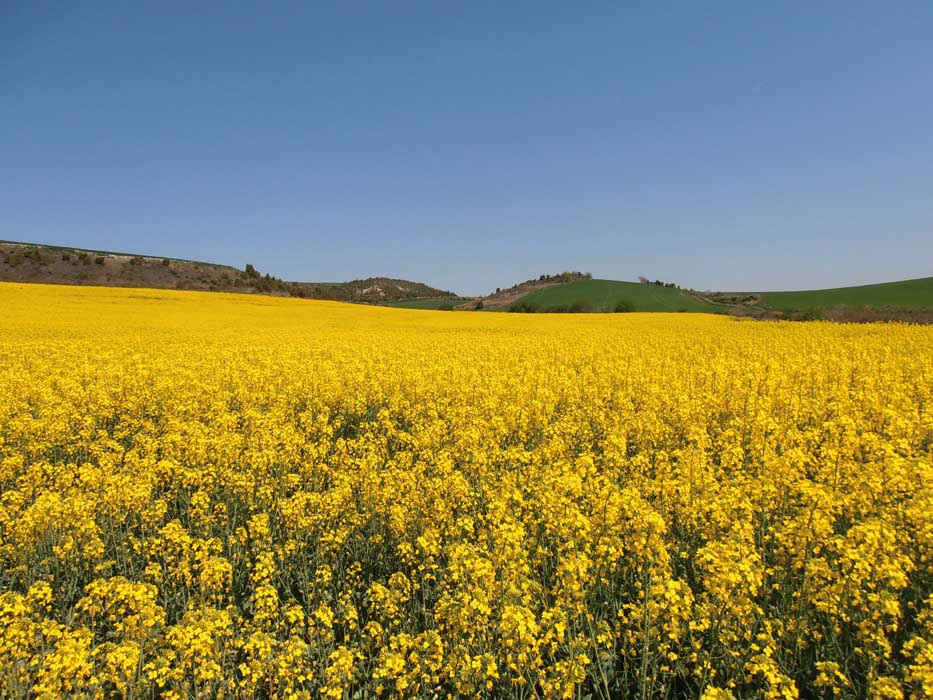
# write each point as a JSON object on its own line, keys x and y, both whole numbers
{"x": 724, "y": 145}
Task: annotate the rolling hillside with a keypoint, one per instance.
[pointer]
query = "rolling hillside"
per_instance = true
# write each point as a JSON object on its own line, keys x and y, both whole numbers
{"x": 28, "y": 262}
{"x": 908, "y": 300}
{"x": 908, "y": 293}
{"x": 606, "y": 295}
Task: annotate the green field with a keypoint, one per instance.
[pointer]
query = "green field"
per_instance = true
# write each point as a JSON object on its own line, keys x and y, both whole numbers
{"x": 436, "y": 303}
{"x": 604, "y": 295}
{"x": 912, "y": 293}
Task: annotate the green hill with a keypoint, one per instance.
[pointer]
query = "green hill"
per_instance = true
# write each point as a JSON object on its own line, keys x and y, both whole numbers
{"x": 909, "y": 293}
{"x": 605, "y": 295}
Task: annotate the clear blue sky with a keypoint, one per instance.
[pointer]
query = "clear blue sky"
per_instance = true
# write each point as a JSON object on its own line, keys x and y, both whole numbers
{"x": 737, "y": 145}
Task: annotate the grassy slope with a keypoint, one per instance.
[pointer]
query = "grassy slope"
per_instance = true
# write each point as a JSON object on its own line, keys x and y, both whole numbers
{"x": 424, "y": 303}
{"x": 605, "y": 294}
{"x": 915, "y": 293}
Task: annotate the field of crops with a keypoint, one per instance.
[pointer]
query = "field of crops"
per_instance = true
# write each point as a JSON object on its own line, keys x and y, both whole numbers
{"x": 222, "y": 496}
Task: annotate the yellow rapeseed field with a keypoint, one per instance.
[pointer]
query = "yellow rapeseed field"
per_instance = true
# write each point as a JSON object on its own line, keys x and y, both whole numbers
{"x": 221, "y": 496}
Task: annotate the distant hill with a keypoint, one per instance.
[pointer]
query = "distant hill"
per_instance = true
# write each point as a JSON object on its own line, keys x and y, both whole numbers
{"x": 916, "y": 292}
{"x": 612, "y": 295}
{"x": 380, "y": 290}
{"x": 908, "y": 300}
{"x": 573, "y": 292}
{"x": 27, "y": 262}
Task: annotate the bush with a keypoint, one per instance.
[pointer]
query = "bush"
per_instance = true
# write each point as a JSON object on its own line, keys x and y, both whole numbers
{"x": 99, "y": 260}
{"x": 166, "y": 262}
{"x": 524, "y": 307}
{"x": 810, "y": 314}
{"x": 66, "y": 256}
{"x": 252, "y": 272}
{"x": 479, "y": 306}
{"x": 622, "y": 307}
{"x": 580, "y": 306}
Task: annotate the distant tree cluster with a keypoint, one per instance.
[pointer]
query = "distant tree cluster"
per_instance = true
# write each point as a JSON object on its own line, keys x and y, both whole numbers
{"x": 658, "y": 283}
{"x": 267, "y": 284}
{"x": 581, "y": 306}
{"x": 565, "y": 277}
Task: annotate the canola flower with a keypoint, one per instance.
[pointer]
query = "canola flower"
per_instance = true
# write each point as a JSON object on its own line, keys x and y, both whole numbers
{"x": 221, "y": 496}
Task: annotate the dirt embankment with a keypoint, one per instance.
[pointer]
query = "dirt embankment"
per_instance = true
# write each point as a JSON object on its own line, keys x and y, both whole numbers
{"x": 502, "y": 298}
{"x": 49, "y": 265}
{"x": 25, "y": 262}
{"x": 506, "y": 297}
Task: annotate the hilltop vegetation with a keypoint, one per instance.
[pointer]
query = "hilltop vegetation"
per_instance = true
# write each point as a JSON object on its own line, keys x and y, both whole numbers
{"x": 24, "y": 262}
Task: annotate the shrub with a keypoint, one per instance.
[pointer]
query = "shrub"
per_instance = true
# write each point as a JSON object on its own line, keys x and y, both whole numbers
{"x": 34, "y": 255}
{"x": 580, "y": 306}
{"x": 166, "y": 262}
{"x": 809, "y": 314}
{"x": 524, "y": 307}
{"x": 99, "y": 260}
{"x": 622, "y": 307}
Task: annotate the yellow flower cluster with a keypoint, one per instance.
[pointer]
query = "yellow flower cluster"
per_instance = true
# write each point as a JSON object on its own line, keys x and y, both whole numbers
{"x": 220, "y": 496}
